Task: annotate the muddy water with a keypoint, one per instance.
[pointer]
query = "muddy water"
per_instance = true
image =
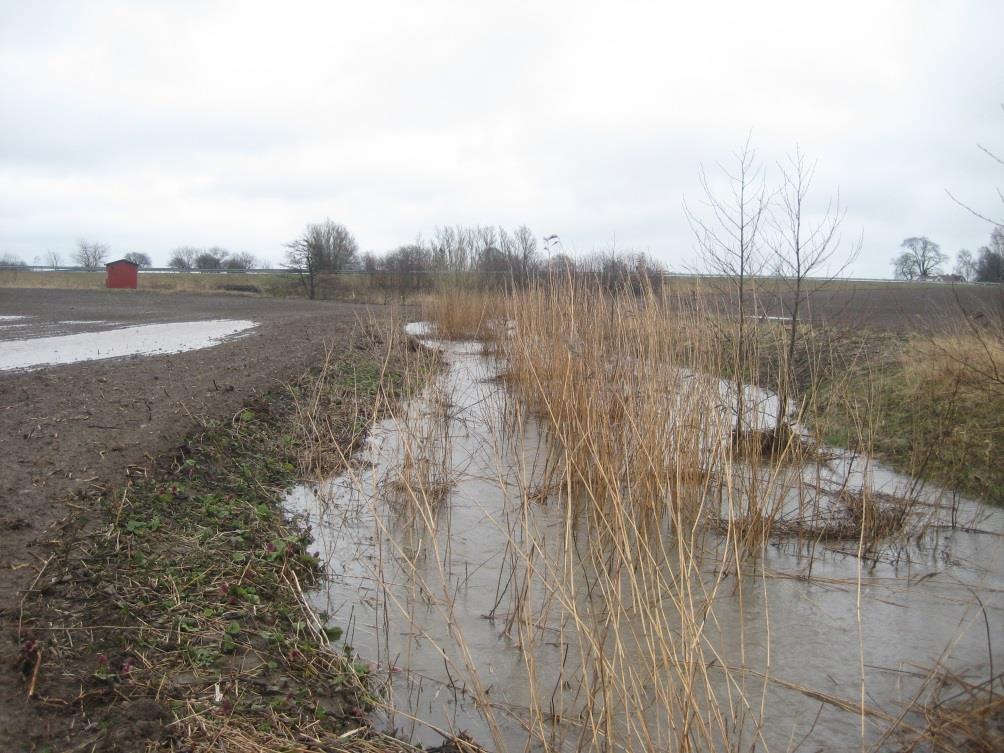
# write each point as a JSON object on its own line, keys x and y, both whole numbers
{"x": 148, "y": 339}
{"x": 428, "y": 593}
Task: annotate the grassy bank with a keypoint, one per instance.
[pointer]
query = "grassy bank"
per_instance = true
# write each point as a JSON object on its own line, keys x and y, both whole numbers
{"x": 174, "y": 618}
{"x": 934, "y": 405}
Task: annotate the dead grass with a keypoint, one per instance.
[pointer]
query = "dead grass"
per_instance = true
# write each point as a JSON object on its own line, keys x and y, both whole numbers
{"x": 462, "y": 314}
{"x": 934, "y": 403}
{"x": 958, "y": 716}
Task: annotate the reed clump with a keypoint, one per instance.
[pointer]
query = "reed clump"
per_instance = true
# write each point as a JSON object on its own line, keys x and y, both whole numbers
{"x": 640, "y": 393}
{"x": 639, "y": 535}
{"x": 460, "y": 313}
{"x": 423, "y": 474}
{"x": 866, "y": 516}
{"x": 641, "y": 414}
{"x": 958, "y": 716}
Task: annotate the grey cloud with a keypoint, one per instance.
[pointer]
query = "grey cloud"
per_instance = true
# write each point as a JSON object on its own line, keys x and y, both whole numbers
{"x": 151, "y": 125}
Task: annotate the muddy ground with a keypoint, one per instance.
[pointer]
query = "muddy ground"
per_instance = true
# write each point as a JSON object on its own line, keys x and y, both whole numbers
{"x": 71, "y": 432}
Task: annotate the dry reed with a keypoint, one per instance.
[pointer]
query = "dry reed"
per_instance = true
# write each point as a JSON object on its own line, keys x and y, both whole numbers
{"x": 673, "y": 478}
{"x": 668, "y": 467}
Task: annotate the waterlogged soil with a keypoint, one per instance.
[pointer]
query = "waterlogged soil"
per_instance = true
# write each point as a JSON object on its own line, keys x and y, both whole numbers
{"x": 828, "y": 647}
{"x": 74, "y": 432}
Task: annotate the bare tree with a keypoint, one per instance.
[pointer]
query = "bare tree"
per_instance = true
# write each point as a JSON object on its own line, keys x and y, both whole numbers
{"x": 183, "y": 258}
{"x": 451, "y": 250}
{"x": 90, "y": 255}
{"x": 371, "y": 262}
{"x": 526, "y": 252}
{"x": 53, "y": 258}
{"x": 921, "y": 259}
{"x": 138, "y": 257}
{"x": 561, "y": 264}
{"x": 324, "y": 248}
{"x": 802, "y": 248}
{"x": 408, "y": 266}
{"x": 729, "y": 241}
{"x": 212, "y": 259}
{"x": 10, "y": 261}
{"x": 207, "y": 262}
{"x": 242, "y": 261}
{"x": 998, "y": 220}
{"x": 989, "y": 265}
{"x": 965, "y": 267}
{"x": 903, "y": 267}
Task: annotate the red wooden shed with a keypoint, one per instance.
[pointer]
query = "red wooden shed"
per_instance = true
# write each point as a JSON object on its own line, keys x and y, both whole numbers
{"x": 122, "y": 273}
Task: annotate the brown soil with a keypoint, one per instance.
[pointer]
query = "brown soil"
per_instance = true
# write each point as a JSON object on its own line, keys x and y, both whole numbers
{"x": 882, "y": 306}
{"x": 72, "y": 432}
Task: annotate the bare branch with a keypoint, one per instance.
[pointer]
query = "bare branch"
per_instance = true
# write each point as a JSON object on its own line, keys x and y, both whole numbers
{"x": 973, "y": 211}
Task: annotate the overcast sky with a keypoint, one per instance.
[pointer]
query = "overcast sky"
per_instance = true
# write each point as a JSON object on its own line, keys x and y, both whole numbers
{"x": 151, "y": 125}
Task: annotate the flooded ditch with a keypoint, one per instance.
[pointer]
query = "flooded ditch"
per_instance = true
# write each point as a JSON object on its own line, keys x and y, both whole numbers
{"x": 462, "y": 568}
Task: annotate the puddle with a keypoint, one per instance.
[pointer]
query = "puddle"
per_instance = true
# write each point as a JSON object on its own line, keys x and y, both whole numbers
{"x": 10, "y": 318}
{"x": 481, "y": 611}
{"x": 147, "y": 339}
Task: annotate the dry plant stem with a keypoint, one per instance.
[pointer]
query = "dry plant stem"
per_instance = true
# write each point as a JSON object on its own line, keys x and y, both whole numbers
{"x": 34, "y": 673}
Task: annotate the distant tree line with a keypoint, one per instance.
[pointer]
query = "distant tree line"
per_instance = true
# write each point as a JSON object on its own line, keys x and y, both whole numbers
{"x": 92, "y": 256}
{"x": 10, "y": 261}
{"x": 481, "y": 256}
{"x": 212, "y": 259}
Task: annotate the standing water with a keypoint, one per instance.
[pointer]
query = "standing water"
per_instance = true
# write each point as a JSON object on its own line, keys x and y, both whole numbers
{"x": 140, "y": 340}
{"x": 460, "y": 566}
